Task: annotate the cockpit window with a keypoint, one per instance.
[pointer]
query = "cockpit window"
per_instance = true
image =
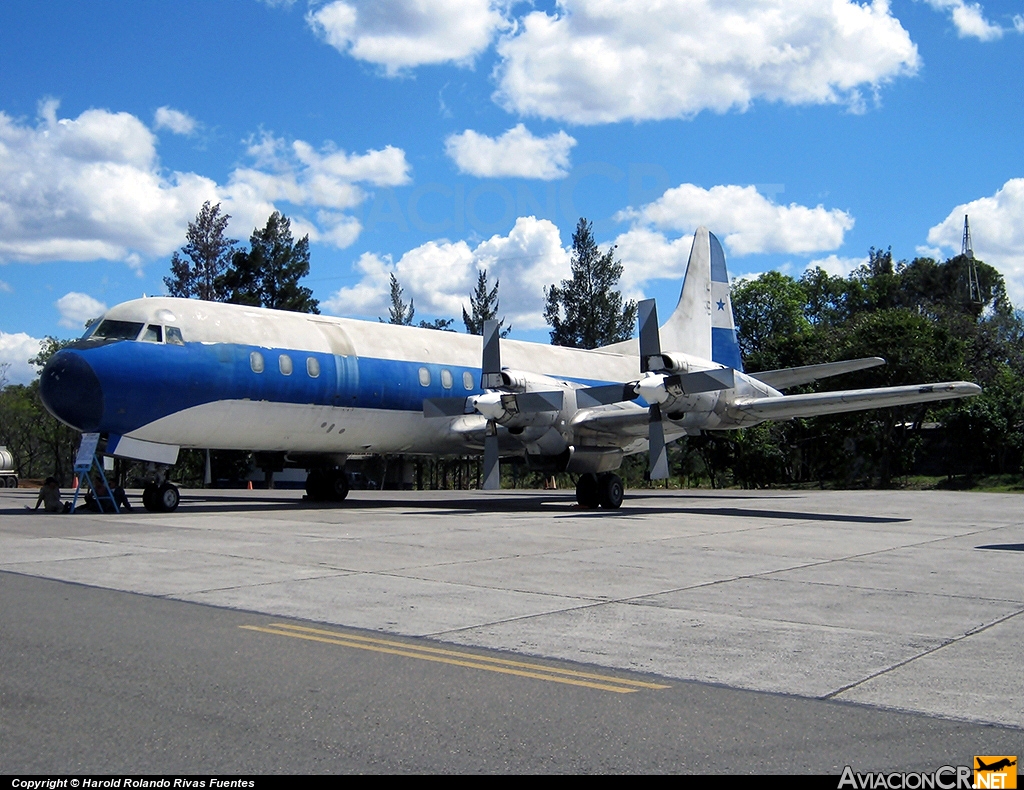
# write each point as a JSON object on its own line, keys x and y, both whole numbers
{"x": 118, "y": 330}
{"x": 153, "y": 334}
{"x": 174, "y": 336}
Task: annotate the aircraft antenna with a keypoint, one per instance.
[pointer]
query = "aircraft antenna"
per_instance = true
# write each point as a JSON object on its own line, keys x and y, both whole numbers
{"x": 967, "y": 250}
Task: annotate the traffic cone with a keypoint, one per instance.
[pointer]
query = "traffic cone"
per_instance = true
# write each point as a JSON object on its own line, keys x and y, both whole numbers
{"x": 250, "y": 485}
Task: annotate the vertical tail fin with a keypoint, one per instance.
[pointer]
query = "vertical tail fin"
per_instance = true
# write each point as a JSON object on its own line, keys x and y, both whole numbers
{"x": 702, "y": 323}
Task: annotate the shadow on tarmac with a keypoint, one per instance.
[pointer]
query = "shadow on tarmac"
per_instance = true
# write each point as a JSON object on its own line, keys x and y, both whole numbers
{"x": 560, "y": 504}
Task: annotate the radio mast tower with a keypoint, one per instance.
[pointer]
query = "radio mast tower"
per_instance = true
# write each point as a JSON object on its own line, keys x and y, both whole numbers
{"x": 967, "y": 250}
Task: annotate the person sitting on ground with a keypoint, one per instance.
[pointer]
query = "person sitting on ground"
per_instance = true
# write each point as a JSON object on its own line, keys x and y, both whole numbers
{"x": 49, "y": 497}
{"x": 98, "y": 500}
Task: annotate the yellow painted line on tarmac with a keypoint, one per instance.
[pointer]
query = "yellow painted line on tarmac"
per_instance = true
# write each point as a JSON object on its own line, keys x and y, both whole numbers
{"x": 457, "y": 658}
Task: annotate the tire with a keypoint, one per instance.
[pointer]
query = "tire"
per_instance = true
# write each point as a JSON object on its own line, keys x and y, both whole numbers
{"x": 611, "y": 491}
{"x": 315, "y": 484}
{"x": 149, "y": 499}
{"x": 12, "y": 482}
{"x": 587, "y": 494}
{"x": 167, "y": 498}
{"x": 337, "y": 485}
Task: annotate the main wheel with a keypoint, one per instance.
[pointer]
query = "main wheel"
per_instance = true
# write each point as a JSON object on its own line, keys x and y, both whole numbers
{"x": 167, "y": 498}
{"x": 587, "y": 491}
{"x": 150, "y": 495}
{"x": 315, "y": 484}
{"x": 337, "y": 485}
{"x": 610, "y": 491}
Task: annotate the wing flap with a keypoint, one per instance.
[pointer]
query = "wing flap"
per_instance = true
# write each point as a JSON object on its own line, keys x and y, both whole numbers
{"x": 787, "y": 407}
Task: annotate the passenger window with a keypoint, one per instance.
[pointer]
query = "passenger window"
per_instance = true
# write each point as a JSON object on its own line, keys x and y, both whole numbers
{"x": 467, "y": 380}
{"x": 284, "y": 364}
{"x": 152, "y": 334}
{"x": 119, "y": 330}
{"x": 446, "y": 379}
{"x": 256, "y": 362}
{"x": 174, "y": 336}
{"x": 424, "y": 377}
{"x": 312, "y": 367}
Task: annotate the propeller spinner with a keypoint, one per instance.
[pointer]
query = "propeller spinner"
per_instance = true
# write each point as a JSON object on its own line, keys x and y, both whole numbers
{"x": 656, "y": 385}
{"x": 496, "y": 405}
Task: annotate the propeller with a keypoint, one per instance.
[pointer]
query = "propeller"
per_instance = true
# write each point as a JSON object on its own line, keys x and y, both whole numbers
{"x": 656, "y": 385}
{"x": 497, "y": 406}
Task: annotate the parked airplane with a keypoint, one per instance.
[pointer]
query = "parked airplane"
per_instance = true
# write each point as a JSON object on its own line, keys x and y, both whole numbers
{"x": 158, "y": 374}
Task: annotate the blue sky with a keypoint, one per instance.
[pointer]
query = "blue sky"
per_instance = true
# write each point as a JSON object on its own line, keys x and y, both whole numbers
{"x": 434, "y": 138}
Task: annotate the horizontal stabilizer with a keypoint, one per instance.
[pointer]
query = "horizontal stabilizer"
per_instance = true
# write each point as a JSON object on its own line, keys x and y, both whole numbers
{"x": 791, "y": 377}
{"x": 787, "y": 407}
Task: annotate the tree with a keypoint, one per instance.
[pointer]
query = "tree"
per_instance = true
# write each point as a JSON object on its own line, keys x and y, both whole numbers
{"x": 208, "y": 254}
{"x": 587, "y": 311}
{"x": 268, "y": 274}
{"x": 483, "y": 303}
{"x": 399, "y": 313}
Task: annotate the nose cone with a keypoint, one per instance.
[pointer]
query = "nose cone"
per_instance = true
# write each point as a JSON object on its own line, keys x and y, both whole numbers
{"x": 71, "y": 391}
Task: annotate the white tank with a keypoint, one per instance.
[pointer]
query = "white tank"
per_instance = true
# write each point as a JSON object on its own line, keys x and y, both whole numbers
{"x": 6, "y": 461}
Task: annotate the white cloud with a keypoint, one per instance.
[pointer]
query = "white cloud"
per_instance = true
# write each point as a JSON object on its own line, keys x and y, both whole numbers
{"x": 517, "y": 153}
{"x": 997, "y": 233}
{"x": 174, "y": 121}
{"x": 402, "y": 34}
{"x": 17, "y": 348}
{"x": 5, "y": 287}
{"x": 648, "y": 255}
{"x": 76, "y": 308}
{"x": 93, "y": 188}
{"x": 1018, "y": 23}
{"x": 836, "y": 266}
{"x": 969, "y": 19}
{"x": 601, "y": 61}
{"x": 440, "y": 275}
{"x": 89, "y": 188}
{"x": 746, "y": 221}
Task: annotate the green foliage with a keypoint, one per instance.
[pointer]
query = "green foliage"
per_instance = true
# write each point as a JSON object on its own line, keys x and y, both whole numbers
{"x": 207, "y": 256}
{"x": 920, "y": 317}
{"x": 587, "y": 311}
{"x": 41, "y": 445}
{"x": 399, "y": 313}
{"x": 483, "y": 304}
{"x": 268, "y": 274}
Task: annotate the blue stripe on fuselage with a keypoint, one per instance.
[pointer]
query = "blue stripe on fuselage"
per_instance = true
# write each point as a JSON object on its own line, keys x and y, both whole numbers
{"x": 143, "y": 382}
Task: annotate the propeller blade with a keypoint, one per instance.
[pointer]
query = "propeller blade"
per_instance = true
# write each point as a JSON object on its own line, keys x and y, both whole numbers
{"x": 658, "y": 452}
{"x": 703, "y": 380}
{"x": 446, "y": 407}
{"x": 650, "y": 338}
{"x": 604, "y": 395}
{"x": 491, "y": 361}
{"x": 492, "y": 469}
{"x": 531, "y": 402}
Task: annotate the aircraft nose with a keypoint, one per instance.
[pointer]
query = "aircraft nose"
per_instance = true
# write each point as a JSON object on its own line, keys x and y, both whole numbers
{"x": 71, "y": 391}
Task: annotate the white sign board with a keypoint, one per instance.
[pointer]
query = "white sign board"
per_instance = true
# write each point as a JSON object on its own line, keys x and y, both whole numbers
{"x": 87, "y": 450}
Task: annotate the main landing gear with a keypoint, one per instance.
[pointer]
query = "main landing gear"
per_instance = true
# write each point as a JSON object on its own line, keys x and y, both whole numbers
{"x": 605, "y": 490}
{"x": 327, "y": 485}
{"x": 161, "y": 498}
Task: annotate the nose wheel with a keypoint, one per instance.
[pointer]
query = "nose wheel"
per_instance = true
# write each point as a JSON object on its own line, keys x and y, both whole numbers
{"x": 161, "y": 499}
{"x": 604, "y": 490}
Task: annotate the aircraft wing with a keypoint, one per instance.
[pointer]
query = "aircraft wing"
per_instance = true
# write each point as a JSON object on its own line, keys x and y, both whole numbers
{"x": 790, "y": 377}
{"x": 620, "y": 420}
{"x": 787, "y": 407}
